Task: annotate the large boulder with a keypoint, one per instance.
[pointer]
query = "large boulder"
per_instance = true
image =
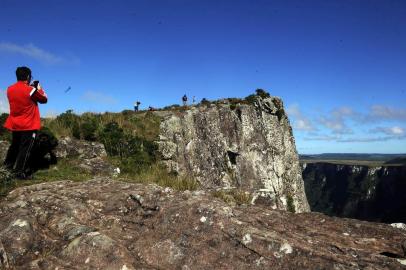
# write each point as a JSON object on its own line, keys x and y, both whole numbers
{"x": 90, "y": 156}
{"x": 73, "y": 148}
{"x": 241, "y": 145}
{"x": 103, "y": 224}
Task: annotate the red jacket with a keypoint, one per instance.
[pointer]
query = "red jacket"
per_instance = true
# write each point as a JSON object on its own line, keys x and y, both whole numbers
{"x": 24, "y": 112}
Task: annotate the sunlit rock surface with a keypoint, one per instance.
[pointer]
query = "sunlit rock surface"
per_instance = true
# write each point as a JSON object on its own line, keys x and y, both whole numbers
{"x": 103, "y": 224}
{"x": 247, "y": 146}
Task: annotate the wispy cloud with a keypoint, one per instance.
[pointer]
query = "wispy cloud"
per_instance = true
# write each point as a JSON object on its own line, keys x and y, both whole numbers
{"x": 34, "y": 52}
{"x": 381, "y": 112}
{"x": 322, "y": 138}
{"x": 371, "y": 139}
{"x": 391, "y": 131}
{"x": 300, "y": 122}
{"x": 336, "y": 120}
{"x": 338, "y": 125}
{"x": 99, "y": 98}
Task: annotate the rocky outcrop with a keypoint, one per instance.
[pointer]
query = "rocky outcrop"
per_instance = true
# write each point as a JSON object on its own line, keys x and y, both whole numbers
{"x": 73, "y": 148}
{"x": 236, "y": 145}
{"x": 91, "y": 156}
{"x": 4, "y": 145}
{"x": 102, "y": 224}
{"x": 362, "y": 192}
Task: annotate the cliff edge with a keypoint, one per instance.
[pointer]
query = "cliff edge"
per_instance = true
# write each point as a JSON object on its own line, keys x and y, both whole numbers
{"x": 236, "y": 144}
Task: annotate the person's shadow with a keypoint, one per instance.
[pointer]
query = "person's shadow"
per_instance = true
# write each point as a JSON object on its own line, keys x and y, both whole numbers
{"x": 42, "y": 155}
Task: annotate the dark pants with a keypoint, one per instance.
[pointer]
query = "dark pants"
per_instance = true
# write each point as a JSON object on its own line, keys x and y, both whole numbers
{"x": 18, "y": 154}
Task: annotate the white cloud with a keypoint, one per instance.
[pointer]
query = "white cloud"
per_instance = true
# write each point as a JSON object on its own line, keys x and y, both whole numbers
{"x": 4, "y": 106}
{"x": 99, "y": 98}
{"x": 339, "y": 124}
{"x": 32, "y": 51}
{"x": 392, "y": 131}
{"x": 336, "y": 121}
{"x": 300, "y": 122}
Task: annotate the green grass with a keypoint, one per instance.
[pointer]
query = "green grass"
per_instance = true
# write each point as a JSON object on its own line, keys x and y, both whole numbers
{"x": 157, "y": 174}
{"x": 233, "y": 196}
{"x": 68, "y": 170}
{"x": 290, "y": 204}
{"x": 64, "y": 170}
{"x": 141, "y": 124}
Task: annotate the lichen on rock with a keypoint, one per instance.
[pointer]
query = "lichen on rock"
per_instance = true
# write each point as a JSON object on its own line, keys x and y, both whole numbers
{"x": 245, "y": 146}
{"x": 108, "y": 224}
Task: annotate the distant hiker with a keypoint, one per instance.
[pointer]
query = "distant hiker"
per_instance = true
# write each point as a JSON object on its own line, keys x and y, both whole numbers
{"x": 184, "y": 100}
{"x": 24, "y": 120}
{"x": 136, "y": 106}
{"x": 194, "y": 100}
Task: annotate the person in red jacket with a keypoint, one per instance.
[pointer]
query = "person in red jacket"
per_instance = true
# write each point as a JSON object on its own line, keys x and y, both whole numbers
{"x": 24, "y": 120}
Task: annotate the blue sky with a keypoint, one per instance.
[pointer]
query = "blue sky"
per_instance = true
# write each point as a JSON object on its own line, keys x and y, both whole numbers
{"x": 339, "y": 66}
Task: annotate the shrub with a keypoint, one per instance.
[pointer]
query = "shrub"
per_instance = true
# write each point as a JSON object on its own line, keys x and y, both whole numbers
{"x": 205, "y": 102}
{"x": 251, "y": 99}
{"x": 290, "y": 204}
{"x": 70, "y": 121}
{"x": 113, "y": 138}
{"x": 171, "y": 107}
{"x": 262, "y": 93}
{"x": 88, "y": 129}
{"x": 5, "y": 135}
{"x": 6, "y": 181}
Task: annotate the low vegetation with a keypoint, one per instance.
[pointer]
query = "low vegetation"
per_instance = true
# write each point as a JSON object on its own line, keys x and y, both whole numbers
{"x": 233, "y": 196}
{"x": 64, "y": 170}
{"x": 157, "y": 174}
{"x": 129, "y": 138}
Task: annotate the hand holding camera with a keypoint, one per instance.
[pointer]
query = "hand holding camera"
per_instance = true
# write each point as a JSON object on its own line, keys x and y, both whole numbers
{"x": 36, "y": 85}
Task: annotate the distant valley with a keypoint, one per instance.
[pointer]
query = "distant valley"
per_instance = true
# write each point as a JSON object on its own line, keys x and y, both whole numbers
{"x": 363, "y": 186}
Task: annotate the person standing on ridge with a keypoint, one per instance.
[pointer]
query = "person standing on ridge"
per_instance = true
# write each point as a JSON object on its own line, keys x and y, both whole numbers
{"x": 137, "y": 106}
{"x": 24, "y": 120}
{"x": 184, "y": 100}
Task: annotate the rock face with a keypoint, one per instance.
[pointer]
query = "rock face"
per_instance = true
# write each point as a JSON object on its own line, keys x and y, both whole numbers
{"x": 72, "y": 148}
{"x": 91, "y": 156}
{"x": 362, "y": 192}
{"x": 245, "y": 146}
{"x": 102, "y": 224}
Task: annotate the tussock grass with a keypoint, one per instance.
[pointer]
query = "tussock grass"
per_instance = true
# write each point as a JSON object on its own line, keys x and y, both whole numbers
{"x": 141, "y": 124}
{"x": 233, "y": 196}
{"x": 157, "y": 174}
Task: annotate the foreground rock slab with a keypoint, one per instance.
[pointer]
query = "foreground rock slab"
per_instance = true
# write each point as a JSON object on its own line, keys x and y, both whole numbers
{"x": 103, "y": 224}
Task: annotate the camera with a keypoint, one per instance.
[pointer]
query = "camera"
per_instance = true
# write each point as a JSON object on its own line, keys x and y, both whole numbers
{"x": 35, "y": 84}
